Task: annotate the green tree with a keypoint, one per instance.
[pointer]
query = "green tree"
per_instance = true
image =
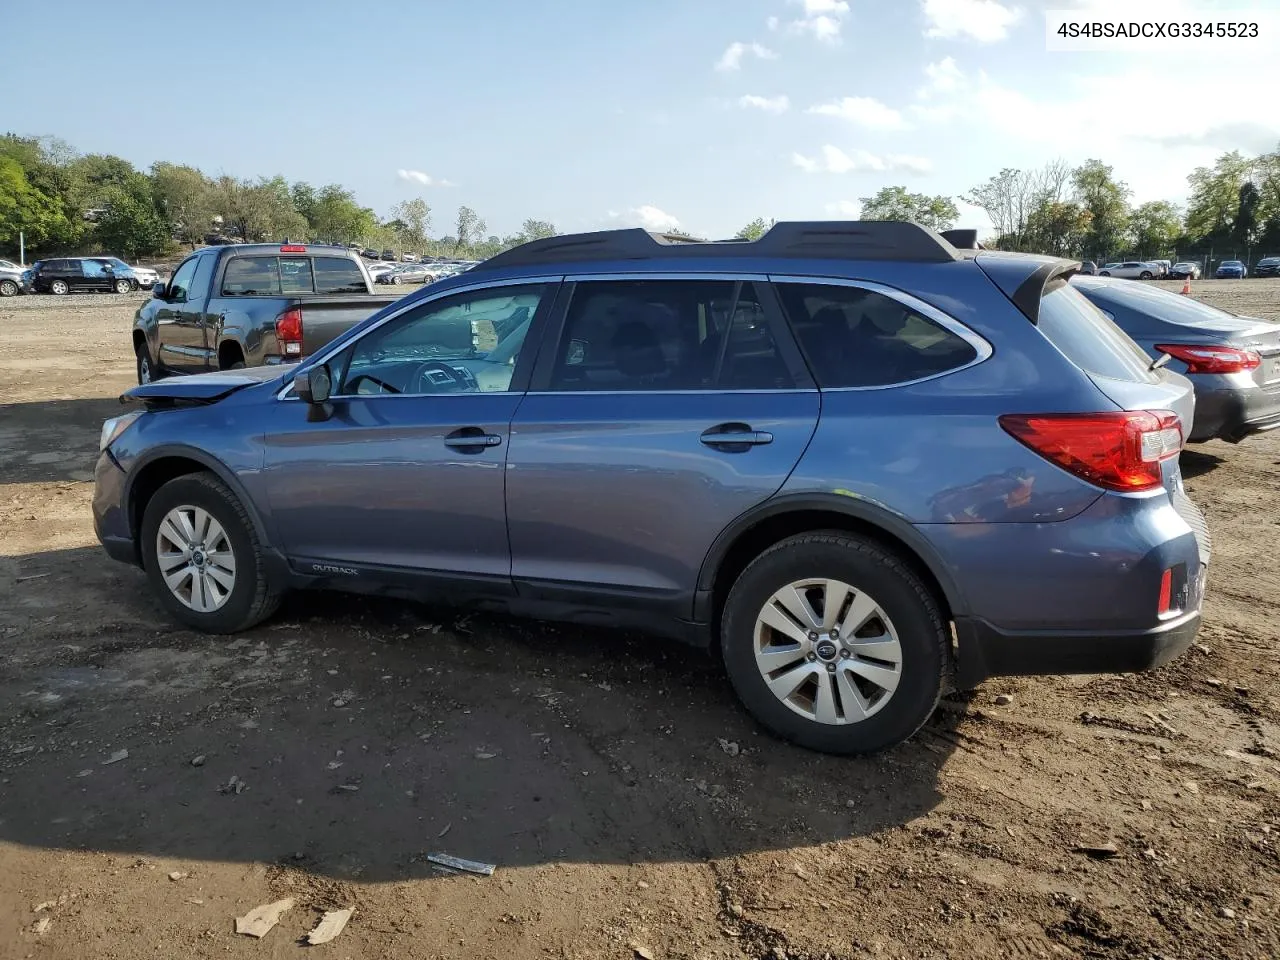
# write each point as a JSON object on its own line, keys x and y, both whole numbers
{"x": 896, "y": 203}
{"x": 1156, "y": 227}
{"x": 25, "y": 209}
{"x": 131, "y": 226}
{"x": 754, "y": 230}
{"x": 184, "y": 197}
{"x": 414, "y": 219}
{"x": 1056, "y": 227}
{"x": 1107, "y": 201}
{"x": 470, "y": 228}
{"x": 1215, "y": 197}
{"x": 336, "y": 216}
{"x": 1246, "y": 226}
{"x": 533, "y": 230}
{"x": 260, "y": 210}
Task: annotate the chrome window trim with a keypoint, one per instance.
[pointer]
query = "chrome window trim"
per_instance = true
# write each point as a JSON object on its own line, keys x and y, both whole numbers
{"x": 332, "y": 350}
{"x": 983, "y": 349}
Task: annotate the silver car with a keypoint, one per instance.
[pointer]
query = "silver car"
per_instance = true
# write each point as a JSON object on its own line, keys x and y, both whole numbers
{"x": 1131, "y": 270}
{"x": 10, "y": 281}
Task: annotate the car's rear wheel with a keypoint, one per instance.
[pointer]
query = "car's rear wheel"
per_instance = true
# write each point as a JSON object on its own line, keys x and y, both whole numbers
{"x": 8, "y": 288}
{"x": 59, "y": 288}
{"x": 1104, "y": 273}
{"x": 834, "y": 643}
{"x": 203, "y": 557}
{"x": 123, "y": 286}
{"x": 1145, "y": 275}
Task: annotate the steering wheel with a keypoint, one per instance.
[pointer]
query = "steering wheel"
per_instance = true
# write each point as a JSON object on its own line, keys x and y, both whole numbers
{"x": 427, "y": 386}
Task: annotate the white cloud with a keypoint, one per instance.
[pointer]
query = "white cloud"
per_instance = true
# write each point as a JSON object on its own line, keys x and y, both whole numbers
{"x": 772, "y": 23}
{"x": 778, "y": 104}
{"x": 647, "y": 216}
{"x": 943, "y": 77}
{"x": 983, "y": 20}
{"x": 844, "y": 209}
{"x": 824, "y": 19}
{"x": 834, "y": 160}
{"x": 731, "y": 59}
{"x": 864, "y": 111}
{"x": 426, "y": 180}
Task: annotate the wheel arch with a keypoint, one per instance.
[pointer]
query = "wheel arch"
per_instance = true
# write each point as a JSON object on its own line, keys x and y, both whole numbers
{"x": 169, "y": 462}
{"x": 230, "y": 350}
{"x": 767, "y": 523}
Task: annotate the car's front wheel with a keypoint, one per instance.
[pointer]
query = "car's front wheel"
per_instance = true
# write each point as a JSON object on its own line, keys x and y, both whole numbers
{"x": 1104, "y": 273}
{"x": 1145, "y": 275}
{"x": 59, "y": 288}
{"x": 8, "y": 288}
{"x": 834, "y": 643}
{"x": 203, "y": 557}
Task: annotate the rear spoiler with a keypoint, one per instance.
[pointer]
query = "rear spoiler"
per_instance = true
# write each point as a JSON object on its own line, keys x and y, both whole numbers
{"x": 1025, "y": 279}
{"x": 963, "y": 239}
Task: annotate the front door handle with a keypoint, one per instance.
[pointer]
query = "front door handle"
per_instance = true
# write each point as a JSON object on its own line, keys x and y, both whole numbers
{"x": 735, "y": 437}
{"x": 471, "y": 439}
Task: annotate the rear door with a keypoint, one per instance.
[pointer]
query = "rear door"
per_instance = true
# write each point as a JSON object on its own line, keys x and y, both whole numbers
{"x": 661, "y": 409}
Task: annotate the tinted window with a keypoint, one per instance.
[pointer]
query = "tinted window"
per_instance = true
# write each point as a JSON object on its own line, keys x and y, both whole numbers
{"x": 445, "y": 346}
{"x": 667, "y": 335}
{"x": 338, "y": 275}
{"x": 1155, "y": 302}
{"x": 181, "y": 281}
{"x": 251, "y": 277}
{"x": 1089, "y": 338}
{"x": 860, "y": 338}
{"x": 295, "y": 275}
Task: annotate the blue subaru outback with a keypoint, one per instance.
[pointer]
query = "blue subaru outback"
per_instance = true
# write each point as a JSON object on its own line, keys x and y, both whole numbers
{"x": 863, "y": 463}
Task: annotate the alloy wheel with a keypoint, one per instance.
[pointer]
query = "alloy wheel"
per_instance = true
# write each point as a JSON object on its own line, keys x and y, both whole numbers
{"x": 196, "y": 558}
{"x": 828, "y": 651}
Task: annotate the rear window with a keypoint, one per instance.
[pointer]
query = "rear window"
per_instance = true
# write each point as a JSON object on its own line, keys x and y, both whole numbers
{"x": 1156, "y": 302}
{"x": 295, "y": 275}
{"x": 252, "y": 277}
{"x": 854, "y": 337}
{"x": 338, "y": 275}
{"x": 1089, "y": 338}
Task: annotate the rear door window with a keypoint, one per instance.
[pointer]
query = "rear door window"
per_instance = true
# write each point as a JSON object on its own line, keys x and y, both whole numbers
{"x": 338, "y": 275}
{"x": 1089, "y": 338}
{"x": 855, "y": 337}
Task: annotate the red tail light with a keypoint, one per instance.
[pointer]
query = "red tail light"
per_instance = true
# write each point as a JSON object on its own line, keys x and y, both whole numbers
{"x": 1206, "y": 359}
{"x": 293, "y": 248}
{"x": 1119, "y": 451}
{"x": 289, "y": 332}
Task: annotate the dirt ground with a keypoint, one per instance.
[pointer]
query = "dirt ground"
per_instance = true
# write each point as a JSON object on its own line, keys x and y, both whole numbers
{"x": 630, "y": 806}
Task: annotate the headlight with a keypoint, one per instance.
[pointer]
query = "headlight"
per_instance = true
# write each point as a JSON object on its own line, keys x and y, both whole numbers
{"x": 114, "y": 427}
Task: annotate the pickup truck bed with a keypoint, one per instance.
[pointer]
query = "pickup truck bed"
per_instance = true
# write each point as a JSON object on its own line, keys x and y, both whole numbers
{"x": 249, "y": 305}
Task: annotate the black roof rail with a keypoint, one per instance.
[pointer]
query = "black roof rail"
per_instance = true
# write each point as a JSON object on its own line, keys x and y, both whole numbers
{"x": 819, "y": 239}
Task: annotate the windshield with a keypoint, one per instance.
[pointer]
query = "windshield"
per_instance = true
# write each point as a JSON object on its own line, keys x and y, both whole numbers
{"x": 1158, "y": 303}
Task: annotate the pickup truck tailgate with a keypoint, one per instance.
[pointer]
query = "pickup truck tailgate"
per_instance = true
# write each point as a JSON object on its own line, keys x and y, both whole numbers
{"x": 325, "y": 318}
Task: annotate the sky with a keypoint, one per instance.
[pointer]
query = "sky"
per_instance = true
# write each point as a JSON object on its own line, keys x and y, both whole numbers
{"x": 697, "y": 115}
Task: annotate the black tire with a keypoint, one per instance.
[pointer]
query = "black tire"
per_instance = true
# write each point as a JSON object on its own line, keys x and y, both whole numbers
{"x": 923, "y": 634}
{"x": 238, "y": 365}
{"x": 1104, "y": 273}
{"x": 147, "y": 370}
{"x": 124, "y": 286}
{"x": 1145, "y": 275}
{"x": 8, "y": 288}
{"x": 59, "y": 288}
{"x": 252, "y": 598}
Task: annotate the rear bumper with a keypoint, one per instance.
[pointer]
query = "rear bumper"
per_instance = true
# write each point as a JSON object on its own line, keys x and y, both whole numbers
{"x": 1232, "y": 415}
{"x": 987, "y": 652}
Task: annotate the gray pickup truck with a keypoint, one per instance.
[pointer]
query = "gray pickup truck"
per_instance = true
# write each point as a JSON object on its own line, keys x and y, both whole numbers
{"x": 248, "y": 305}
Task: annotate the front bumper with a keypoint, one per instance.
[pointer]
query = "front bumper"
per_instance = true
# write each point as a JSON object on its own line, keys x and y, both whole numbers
{"x": 110, "y": 512}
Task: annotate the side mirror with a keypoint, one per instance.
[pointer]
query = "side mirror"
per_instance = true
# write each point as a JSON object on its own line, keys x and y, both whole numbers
{"x": 314, "y": 385}
{"x": 160, "y": 291}
{"x": 576, "y": 354}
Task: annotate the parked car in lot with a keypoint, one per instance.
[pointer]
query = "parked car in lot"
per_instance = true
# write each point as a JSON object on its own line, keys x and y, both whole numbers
{"x": 144, "y": 277}
{"x": 821, "y": 451}
{"x": 1163, "y": 267}
{"x": 390, "y": 255}
{"x": 370, "y": 254}
{"x": 1130, "y": 270}
{"x": 405, "y": 273}
{"x": 1267, "y": 267}
{"x": 1231, "y": 270}
{"x": 408, "y": 257}
{"x": 79, "y": 275}
{"x": 1184, "y": 269}
{"x": 378, "y": 268}
{"x": 11, "y": 282}
{"x": 1233, "y": 362}
{"x": 250, "y": 304}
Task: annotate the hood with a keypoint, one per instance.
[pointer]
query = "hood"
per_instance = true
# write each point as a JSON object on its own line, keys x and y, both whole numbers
{"x": 207, "y": 387}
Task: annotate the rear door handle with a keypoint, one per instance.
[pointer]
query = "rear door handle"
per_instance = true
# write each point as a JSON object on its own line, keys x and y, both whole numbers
{"x": 471, "y": 439}
{"x": 735, "y": 435}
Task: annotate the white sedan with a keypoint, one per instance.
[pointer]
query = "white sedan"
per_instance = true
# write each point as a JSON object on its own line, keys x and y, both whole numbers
{"x": 1130, "y": 270}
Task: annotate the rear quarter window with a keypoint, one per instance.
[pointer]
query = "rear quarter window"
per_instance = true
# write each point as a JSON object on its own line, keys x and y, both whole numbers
{"x": 854, "y": 337}
{"x": 1089, "y": 338}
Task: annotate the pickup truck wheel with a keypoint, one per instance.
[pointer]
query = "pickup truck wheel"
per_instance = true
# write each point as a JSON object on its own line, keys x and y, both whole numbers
{"x": 124, "y": 286}
{"x": 835, "y": 644}
{"x": 8, "y": 288}
{"x": 59, "y": 288}
{"x": 146, "y": 371}
{"x": 203, "y": 557}
{"x": 238, "y": 365}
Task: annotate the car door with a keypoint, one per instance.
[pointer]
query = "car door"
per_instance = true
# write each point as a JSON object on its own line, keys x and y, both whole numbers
{"x": 93, "y": 275}
{"x": 404, "y": 480}
{"x": 180, "y": 319}
{"x": 661, "y": 410}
